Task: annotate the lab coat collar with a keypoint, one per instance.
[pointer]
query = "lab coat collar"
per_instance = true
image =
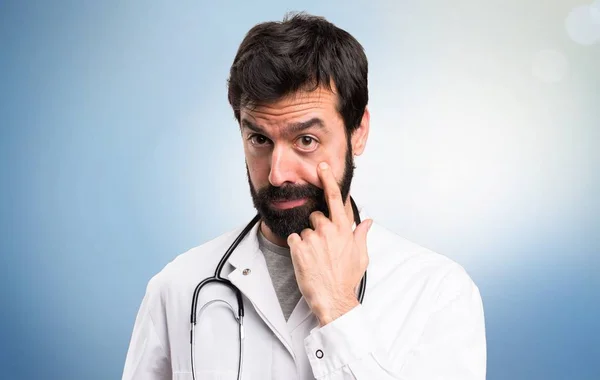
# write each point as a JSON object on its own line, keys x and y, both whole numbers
{"x": 245, "y": 253}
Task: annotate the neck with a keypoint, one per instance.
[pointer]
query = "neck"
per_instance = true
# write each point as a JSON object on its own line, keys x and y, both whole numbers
{"x": 278, "y": 240}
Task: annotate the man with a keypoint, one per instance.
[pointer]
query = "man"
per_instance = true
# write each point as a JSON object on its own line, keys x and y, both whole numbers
{"x": 298, "y": 89}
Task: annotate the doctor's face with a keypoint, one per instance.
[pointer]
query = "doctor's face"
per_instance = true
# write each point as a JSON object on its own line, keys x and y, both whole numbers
{"x": 284, "y": 141}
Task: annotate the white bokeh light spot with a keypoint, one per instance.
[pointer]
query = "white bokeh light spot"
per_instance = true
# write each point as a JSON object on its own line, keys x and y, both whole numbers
{"x": 583, "y": 24}
{"x": 549, "y": 66}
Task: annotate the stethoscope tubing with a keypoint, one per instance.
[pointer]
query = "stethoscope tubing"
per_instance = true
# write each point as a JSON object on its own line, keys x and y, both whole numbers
{"x": 220, "y": 280}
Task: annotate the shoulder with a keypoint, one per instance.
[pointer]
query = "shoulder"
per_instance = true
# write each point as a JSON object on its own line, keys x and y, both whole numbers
{"x": 191, "y": 266}
{"x": 398, "y": 260}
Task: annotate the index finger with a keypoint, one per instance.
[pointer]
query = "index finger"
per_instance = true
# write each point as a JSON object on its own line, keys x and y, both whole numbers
{"x": 333, "y": 196}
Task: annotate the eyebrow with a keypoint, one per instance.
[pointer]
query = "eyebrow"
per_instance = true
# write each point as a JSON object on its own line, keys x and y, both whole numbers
{"x": 290, "y": 129}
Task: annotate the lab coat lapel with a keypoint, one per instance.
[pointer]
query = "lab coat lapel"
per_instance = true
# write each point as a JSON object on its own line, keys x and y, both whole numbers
{"x": 300, "y": 313}
{"x": 257, "y": 286}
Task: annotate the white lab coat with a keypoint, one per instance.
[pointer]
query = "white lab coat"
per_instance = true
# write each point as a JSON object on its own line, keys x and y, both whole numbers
{"x": 422, "y": 319}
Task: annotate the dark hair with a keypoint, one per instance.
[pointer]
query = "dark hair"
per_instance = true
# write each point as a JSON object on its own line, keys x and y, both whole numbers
{"x": 302, "y": 52}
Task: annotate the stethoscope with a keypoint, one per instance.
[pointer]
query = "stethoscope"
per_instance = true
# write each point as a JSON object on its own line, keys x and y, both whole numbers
{"x": 240, "y": 314}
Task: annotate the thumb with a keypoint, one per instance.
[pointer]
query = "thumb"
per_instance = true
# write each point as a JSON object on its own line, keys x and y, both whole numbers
{"x": 360, "y": 232}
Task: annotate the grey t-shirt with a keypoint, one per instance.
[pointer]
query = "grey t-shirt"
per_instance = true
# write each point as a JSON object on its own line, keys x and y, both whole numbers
{"x": 281, "y": 269}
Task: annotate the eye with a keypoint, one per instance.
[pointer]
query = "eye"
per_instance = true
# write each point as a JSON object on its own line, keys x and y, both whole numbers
{"x": 307, "y": 142}
{"x": 258, "y": 140}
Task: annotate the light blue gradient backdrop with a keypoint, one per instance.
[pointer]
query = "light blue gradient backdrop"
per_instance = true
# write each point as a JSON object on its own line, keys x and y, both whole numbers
{"x": 119, "y": 151}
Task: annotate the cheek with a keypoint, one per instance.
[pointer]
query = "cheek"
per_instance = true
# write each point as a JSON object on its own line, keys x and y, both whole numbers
{"x": 334, "y": 157}
{"x": 308, "y": 172}
{"x": 258, "y": 170}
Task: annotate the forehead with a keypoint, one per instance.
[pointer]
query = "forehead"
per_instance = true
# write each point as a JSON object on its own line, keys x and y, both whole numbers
{"x": 300, "y": 106}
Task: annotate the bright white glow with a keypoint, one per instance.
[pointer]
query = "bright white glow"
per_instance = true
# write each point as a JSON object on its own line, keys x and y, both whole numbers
{"x": 549, "y": 66}
{"x": 450, "y": 166}
{"x": 583, "y": 24}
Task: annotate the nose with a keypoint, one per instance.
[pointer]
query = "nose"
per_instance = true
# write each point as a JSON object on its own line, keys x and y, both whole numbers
{"x": 283, "y": 167}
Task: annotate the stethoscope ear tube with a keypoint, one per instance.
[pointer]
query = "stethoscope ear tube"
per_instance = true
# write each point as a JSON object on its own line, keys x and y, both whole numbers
{"x": 222, "y": 281}
{"x": 363, "y": 283}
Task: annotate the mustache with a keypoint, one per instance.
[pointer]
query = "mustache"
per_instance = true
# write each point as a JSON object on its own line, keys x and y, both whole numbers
{"x": 290, "y": 192}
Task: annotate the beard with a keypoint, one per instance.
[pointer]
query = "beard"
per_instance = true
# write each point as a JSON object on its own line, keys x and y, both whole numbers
{"x": 286, "y": 222}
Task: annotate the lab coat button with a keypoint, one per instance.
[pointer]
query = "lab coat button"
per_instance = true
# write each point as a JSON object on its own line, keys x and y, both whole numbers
{"x": 319, "y": 354}
{"x": 246, "y": 272}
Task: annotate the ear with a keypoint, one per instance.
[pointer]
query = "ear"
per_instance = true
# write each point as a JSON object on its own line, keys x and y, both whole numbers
{"x": 360, "y": 134}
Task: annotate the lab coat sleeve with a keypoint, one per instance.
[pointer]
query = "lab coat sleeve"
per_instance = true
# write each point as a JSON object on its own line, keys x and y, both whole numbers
{"x": 452, "y": 345}
{"x": 147, "y": 358}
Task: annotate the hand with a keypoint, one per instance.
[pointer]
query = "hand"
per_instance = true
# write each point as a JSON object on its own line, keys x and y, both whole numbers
{"x": 331, "y": 259}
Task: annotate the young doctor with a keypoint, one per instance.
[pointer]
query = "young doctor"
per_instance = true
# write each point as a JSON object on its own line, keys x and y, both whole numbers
{"x": 311, "y": 288}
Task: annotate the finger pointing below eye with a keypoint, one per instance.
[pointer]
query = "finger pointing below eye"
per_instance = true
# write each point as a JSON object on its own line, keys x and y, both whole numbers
{"x": 333, "y": 195}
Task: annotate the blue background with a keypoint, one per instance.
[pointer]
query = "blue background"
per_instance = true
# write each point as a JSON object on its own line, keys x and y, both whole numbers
{"x": 118, "y": 151}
